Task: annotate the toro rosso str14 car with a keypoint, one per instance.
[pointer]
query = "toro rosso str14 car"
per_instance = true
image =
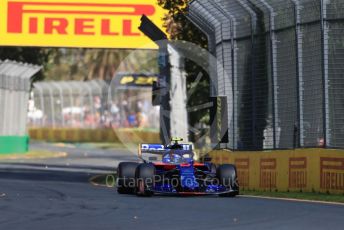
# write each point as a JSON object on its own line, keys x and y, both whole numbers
{"x": 172, "y": 170}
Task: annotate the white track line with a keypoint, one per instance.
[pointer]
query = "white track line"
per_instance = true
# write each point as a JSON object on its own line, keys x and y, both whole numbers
{"x": 294, "y": 200}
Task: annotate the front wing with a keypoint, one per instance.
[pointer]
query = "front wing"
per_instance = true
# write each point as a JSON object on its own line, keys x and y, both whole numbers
{"x": 213, "y": 190}
{"x": 196, "y": 193}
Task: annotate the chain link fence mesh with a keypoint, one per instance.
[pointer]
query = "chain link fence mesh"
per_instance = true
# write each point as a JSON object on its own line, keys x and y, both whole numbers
{"x": 285, "y": 73}
{"x": 91, "y": 105}
{"x": 334, "y": 46}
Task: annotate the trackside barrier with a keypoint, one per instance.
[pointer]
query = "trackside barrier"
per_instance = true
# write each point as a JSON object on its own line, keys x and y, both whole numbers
{"x": 93, "y": 135}
{"x": 15, "y": 85}
{"x": 306, "y": 170}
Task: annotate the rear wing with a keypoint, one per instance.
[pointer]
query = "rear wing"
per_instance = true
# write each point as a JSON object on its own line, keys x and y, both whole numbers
{"x": 154, "y": 152}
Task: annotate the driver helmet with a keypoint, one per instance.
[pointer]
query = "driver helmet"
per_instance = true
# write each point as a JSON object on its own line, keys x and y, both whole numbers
{"x": 175, "y": 144}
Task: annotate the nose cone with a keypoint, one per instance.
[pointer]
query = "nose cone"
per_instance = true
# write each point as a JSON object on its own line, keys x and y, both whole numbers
{"x": 187, "y": 176}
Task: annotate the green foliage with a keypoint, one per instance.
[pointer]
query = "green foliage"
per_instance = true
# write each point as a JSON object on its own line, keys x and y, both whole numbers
{"x": 87, "y": 64}
{"x": 178, "y": 26}
{"x": 32, "y": 55}
{"x": 81, "y": 64}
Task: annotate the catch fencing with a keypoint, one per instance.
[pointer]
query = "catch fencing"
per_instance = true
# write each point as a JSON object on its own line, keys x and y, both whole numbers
{"x": 280, "y": 66}
{"x": 93, "y": 104}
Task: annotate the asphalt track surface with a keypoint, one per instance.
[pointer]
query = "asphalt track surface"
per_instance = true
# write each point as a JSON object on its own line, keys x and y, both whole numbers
{"x": 79, "y": 157}
{"x": 64, "y": 200}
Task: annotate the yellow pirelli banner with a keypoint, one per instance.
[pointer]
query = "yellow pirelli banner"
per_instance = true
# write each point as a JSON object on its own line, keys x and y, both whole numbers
{"x": 307, "y": 170}
{"x": 77, "y": 23}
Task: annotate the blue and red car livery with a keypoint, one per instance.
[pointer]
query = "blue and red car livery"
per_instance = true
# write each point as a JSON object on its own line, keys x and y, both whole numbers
{"x": 172, "y": 170}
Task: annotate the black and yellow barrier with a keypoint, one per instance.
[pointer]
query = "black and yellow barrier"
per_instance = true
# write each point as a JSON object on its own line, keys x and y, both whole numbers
{"x": 94, "y": 135}
{"x": 307, "y": 170}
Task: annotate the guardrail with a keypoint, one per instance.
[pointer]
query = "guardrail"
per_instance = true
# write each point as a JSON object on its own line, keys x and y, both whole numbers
{"x": 15, "y": 84}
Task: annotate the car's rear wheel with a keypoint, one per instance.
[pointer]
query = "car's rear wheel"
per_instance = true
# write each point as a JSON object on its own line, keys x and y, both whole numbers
{"x": 227, "y": 175}
{"x": 126, "y": 177}
{"x": 145, "y": 174}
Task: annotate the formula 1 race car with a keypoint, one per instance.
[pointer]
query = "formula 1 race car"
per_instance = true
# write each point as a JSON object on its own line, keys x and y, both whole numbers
{"x": 175, "y": 173}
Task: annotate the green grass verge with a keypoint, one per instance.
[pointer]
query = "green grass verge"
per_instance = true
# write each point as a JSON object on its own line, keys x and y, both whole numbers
{"x": 32, "y": 155}
{"x": 297, "y": 195}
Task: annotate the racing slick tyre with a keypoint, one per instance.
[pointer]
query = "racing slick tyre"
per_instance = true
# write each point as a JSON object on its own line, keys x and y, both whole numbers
{"x": 227, "y": 175}
{"x": 145, "y": 174}
{"x": 126, "y": 177}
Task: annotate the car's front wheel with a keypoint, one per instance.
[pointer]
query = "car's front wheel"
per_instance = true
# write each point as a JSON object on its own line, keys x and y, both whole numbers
{"x": 227, "y": 175}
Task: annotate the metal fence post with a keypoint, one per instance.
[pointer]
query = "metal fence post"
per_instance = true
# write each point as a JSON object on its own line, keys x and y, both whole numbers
{"x": 196, "y": 15}
{"x": 70, "y": 90}
{"x": 91, "y": 98}
{"x": 299, "y": 73}
{"x": 232, "y": 25}
{"x": 38, "y": 86}
{"x": 226, "y": 69}
{"x": 80, "y": 89}
{"x": 273, "y": 53}
{"x": 52, "y": 104}
{"x": 58, "y": 86}
{"x": 209, "y": 32}
{"x": 253, "y": 24}
{"x": 100, "y": 90}
{"x": 324, "y": 58}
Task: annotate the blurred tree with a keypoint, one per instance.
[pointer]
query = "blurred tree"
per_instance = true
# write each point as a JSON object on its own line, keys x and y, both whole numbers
{"x": 32, "y": 55}
{"x": 180, "y": 28}
{"x": 81, "y": 64}
{"x": 88, "y": 64}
